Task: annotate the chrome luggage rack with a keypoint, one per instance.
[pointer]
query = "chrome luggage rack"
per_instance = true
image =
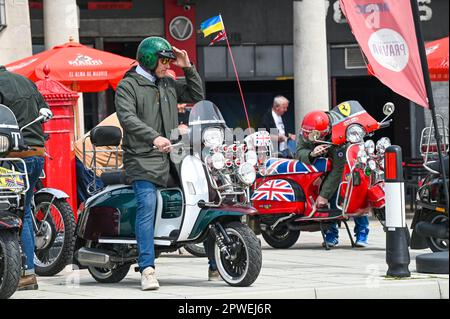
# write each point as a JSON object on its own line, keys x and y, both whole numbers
{"x": 428, "y": 143}
{"x": 94, "y": 168}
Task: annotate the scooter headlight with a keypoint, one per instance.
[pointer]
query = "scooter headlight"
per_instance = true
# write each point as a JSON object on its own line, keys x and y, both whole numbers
{"x": 247, "y": 173}
{"x": 355, "y": 133}
{"x": 4, "y": 143}
{"x": 251, "y": 157}
{"x": 370, "y": 146}
{"x": 213, "y": 137}
{"x": 218, "y": 161}
{"x": 362, "y": 156}
{"x": 372, "y": 165}
{"x": 382, "y": 144}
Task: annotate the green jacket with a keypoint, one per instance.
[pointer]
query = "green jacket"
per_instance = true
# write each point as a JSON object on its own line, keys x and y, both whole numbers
{"x": 23, "y": 98}
{"x": 337, "y": 155}
{"x": 147, "y": 110}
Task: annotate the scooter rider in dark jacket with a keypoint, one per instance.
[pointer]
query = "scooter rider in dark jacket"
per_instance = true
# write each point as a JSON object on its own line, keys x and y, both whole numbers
{"x": 316, "y": 127}
{"x": 23, "y": 98}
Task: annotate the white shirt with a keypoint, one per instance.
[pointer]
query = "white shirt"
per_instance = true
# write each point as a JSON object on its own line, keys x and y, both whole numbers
{"x": 145, "y": 74}
{"x": 280, "y": 126}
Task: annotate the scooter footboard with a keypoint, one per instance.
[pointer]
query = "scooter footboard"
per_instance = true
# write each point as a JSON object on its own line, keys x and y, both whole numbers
{"x": 210, "y": 215}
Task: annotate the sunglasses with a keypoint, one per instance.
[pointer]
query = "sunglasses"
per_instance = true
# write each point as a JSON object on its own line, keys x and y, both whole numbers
{"x": 165, "y": 60}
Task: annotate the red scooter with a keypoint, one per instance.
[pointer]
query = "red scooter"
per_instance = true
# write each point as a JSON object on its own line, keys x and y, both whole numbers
{"x": 285, "y": 194}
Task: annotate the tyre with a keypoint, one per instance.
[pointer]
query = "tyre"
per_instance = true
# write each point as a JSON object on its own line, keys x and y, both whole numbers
{"x": 281, "y": 237}
{"x": 197, "y": 250}
{"x": 109, "y": 276}
{"x": 55, "y": 237}
{"x": 10, "y": 263}
{"x": 243, "y": 264}
{"x": 438, "y": 244}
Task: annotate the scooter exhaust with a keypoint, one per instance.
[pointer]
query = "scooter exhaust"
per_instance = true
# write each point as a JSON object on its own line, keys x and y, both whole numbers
{"x": 93, "y": 257}
{"x": 427, "y": 229}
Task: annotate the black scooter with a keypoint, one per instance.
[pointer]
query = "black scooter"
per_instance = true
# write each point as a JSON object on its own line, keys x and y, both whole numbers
{"x": 430, "y": 222}
{"x": 13, "y": 187}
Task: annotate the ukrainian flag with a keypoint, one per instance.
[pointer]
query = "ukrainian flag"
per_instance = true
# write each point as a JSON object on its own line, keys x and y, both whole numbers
{"x": 212, "y": 25}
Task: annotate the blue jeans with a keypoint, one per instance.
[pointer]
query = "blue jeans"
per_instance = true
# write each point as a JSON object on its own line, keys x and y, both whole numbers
{"x": 361, "y": 225}
{"x": 361, "y": 222}
{"x": 209, "y": 245}
{"x": 84, "y": 178}
{"x": 145, "y": 193}
{"x": 34, "y": 164}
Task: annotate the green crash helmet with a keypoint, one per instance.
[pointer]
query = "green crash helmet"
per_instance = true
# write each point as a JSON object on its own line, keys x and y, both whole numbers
{"x": 151, "y": 49}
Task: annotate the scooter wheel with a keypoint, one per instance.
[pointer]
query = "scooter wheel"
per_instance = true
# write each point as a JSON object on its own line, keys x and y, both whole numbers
{"x": 281, "y": 238}
{"x": 196, "y": 249}
{"x": 438, "y": 244}
{"x": 10, "y": 263}
{"x": 53, "y": 257}
{"x": 109, "y": 276}
{"x": 243, "y": 264}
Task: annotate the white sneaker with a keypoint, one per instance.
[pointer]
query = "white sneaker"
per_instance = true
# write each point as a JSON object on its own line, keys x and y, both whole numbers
{"x": 148, "y": 279}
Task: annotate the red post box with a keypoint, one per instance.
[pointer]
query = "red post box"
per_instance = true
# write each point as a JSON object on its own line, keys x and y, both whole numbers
{"x": 60, "y": 164}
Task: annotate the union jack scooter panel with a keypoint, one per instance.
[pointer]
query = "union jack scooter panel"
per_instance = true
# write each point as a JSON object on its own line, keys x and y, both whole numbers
{"x": 275, "y": 190}
{"x": 276, "y": 166}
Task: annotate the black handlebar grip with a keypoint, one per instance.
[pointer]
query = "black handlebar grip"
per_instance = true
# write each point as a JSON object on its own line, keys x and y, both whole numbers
{"x": 386, "y": 124}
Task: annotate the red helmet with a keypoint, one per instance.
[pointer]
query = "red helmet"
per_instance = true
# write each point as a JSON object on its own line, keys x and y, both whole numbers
{"x": 315, "y": 125}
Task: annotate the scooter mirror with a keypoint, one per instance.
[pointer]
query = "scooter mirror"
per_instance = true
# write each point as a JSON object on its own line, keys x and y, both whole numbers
{"x": 388, "y": 108}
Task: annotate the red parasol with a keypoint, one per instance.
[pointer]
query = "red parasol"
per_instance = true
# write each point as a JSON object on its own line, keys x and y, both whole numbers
{"x": 82, "y": 68}
{"x": 437, "y": 57}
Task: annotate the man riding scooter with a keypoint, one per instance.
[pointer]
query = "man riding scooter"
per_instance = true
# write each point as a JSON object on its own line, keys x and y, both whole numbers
{"x": 316, "y": 129}
{"x": 146, "y": 104}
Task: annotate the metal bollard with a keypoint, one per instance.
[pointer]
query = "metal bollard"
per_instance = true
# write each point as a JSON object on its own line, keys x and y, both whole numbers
{"x": 397, "y": 253}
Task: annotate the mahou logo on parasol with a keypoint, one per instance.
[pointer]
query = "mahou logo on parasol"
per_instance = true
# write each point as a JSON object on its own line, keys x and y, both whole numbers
{"x": 84, "y": 60}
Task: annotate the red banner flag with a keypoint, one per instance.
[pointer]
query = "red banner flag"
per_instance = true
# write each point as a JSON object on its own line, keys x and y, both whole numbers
{"x": 385, "y": 32}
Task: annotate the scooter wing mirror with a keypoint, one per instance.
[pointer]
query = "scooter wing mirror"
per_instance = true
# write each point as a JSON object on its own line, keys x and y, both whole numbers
{"x": 47, "y": 114}
{"x": 388, "y": 108}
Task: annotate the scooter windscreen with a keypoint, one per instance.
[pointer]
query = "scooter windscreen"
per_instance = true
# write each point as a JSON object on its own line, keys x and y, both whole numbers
{"x": 205, "y": 113}
{"x": 7, "y": 118}
{"x": 346, "y": 115}
{"x": 10, "y": 136}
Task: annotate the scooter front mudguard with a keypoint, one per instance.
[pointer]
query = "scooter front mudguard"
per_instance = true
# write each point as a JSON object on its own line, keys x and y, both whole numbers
{"x": 9, "y": 221}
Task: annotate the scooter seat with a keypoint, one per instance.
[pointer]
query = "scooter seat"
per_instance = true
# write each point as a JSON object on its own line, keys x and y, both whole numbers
{"x": 119, "y": 177}
{"x": 277, "y": 166}
{"x": 115, "y": 177}
{"x": 106, "y": 136}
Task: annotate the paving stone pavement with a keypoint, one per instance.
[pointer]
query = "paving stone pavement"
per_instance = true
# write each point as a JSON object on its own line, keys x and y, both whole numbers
{"x": 305, "y": 270}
